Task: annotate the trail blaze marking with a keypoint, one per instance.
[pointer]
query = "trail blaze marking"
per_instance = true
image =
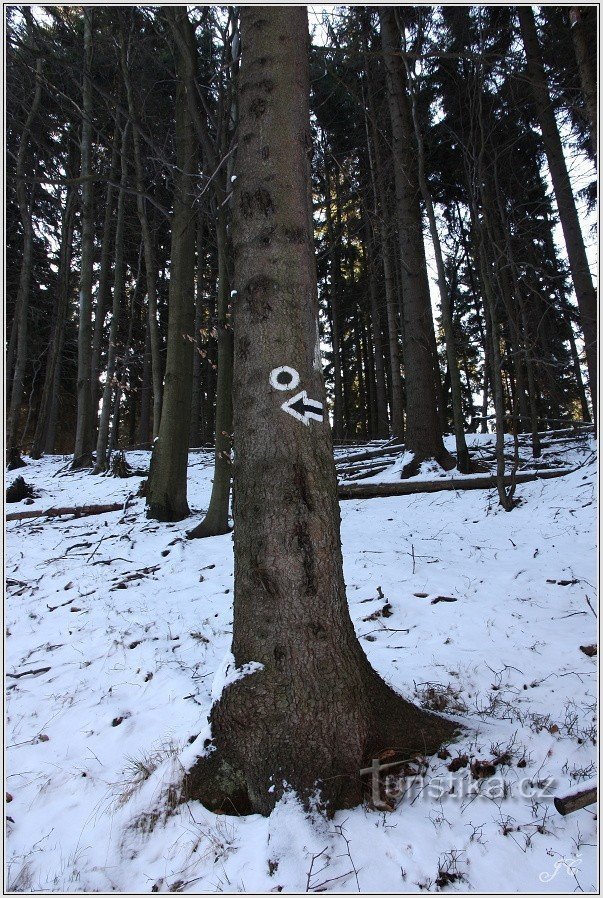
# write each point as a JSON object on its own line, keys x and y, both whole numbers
{"x": 284, "y": 378}
{"x": 299, "y": 406}
{"x": 302, "y": 408}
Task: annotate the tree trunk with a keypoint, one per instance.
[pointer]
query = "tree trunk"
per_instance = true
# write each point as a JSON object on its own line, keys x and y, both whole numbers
{"x": 144, "y": 424}
{"x": 311, "y": 710}
{"x": 462, "y": 452}
{"x": 166, "y": 489}
{"x": 334, "y": 297}
{"x": 25, "y": 203}
{"x": 584, "y": 34}
{"x": 423, "y": 428}
{"x": 149, "y": 250}
{"x": 570, "y": 223}
{"x": 381, "y": 205}
{"x": 216, "y": 517}
{"x": 118, "y": 296}
{"x": 195, "y": 434}
{"x": 82, "y": 454}
{"x": 104, "y": 274}
{"x": 56, "y": 346}
{"x": 382, "y": 426}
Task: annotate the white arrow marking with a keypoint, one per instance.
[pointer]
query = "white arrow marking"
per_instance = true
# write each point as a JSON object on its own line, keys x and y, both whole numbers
{"x": 302, "y": 408}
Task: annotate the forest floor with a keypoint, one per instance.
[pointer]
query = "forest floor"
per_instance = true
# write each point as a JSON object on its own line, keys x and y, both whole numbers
{"x": 117, "y": 631}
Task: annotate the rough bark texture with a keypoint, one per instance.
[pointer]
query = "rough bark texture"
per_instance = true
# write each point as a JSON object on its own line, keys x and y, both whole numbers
{"x": 423, "y": 428}
{"x": 316, "y": 711}
{"x": 568, "y": 215}
{"x": 166, "y": 490}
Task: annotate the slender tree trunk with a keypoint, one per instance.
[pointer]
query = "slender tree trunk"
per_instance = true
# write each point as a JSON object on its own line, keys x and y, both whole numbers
{"x": 104, "y": 275}
{"x": 149, "y": 249}
{"x": 458, "y": 419}
{"x": 118, "y": 298}
{"x": 25, "y": 202}
{"x": 584, "y": 34}
{"x": 82, "y": 454}
{"x": 195, "y": 435}
{"x": 334, "y": 296}
{"x": 166, "y": 487}
{"x": 144, "y": 424}
{"x": 381, "y": 204}
{"x": 216, "y": 518}
{"x": 423, "y": 427}
{"x": 570, "y": 223}
{"x": 382, "y": 426}
{"x": 48, "y": 399}
{"x": 311, "y": 709}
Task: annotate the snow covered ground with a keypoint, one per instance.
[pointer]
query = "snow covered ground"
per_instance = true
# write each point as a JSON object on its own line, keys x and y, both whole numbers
{"x": 116, "y": 628}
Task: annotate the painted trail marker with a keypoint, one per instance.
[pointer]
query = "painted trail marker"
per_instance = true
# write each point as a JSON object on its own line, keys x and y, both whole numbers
{"x": 302, "y": 408}
{"x": 299, "y": 406}
{"x": 284, "y": 378}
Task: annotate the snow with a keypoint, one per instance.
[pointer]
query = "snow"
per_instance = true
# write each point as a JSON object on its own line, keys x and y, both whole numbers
{"x": 133, "y": 622}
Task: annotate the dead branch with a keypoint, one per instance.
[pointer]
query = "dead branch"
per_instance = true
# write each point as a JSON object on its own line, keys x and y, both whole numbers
{"x": 408, "y": 487}
{"x": 77, "y": 512}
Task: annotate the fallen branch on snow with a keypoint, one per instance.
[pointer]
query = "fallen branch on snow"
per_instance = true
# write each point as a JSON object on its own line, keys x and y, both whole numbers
{"x": 408, "y": 487}
{"x": 77, "y": 512}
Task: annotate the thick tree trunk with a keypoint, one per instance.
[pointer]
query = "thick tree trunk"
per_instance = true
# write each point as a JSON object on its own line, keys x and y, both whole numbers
{"x": 423, "y": 427}
{"x": 568, "y": 215}
{"x": 19, "y": 342}
{"x": 310, "y": 711}
{"x": 166, "y": 489}
{"x": 82, "y": 454}
{"x": 118, "y": 297}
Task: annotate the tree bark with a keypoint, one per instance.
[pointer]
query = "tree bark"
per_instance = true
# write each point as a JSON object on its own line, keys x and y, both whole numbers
{"x": 462, "y": 452}
{"x": 216, "y": 518}
{"x": 313, "y": 709}
{"x": 149, "y": 249}
{"x": 118, "y": 297}
{"x": 570, "y": 223}
{"x": 381, "y": 205}
{"x": 166, "y": 489}
{"x": 584, "y": 34}
{"x": 200, "y": 314}
{"x": 53, "y": 360}
{"x": 104, "y": 274}
{"x": 423, "y": 427}
{"x": 82, "y": 454}
{"x": 25, "y": 203}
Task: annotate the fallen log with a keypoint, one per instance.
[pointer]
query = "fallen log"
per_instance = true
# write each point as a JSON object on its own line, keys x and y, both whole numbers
{"x": 77, "y": 512}
{"x": 575, "y": 802}
{"x": 408, "y": 487}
